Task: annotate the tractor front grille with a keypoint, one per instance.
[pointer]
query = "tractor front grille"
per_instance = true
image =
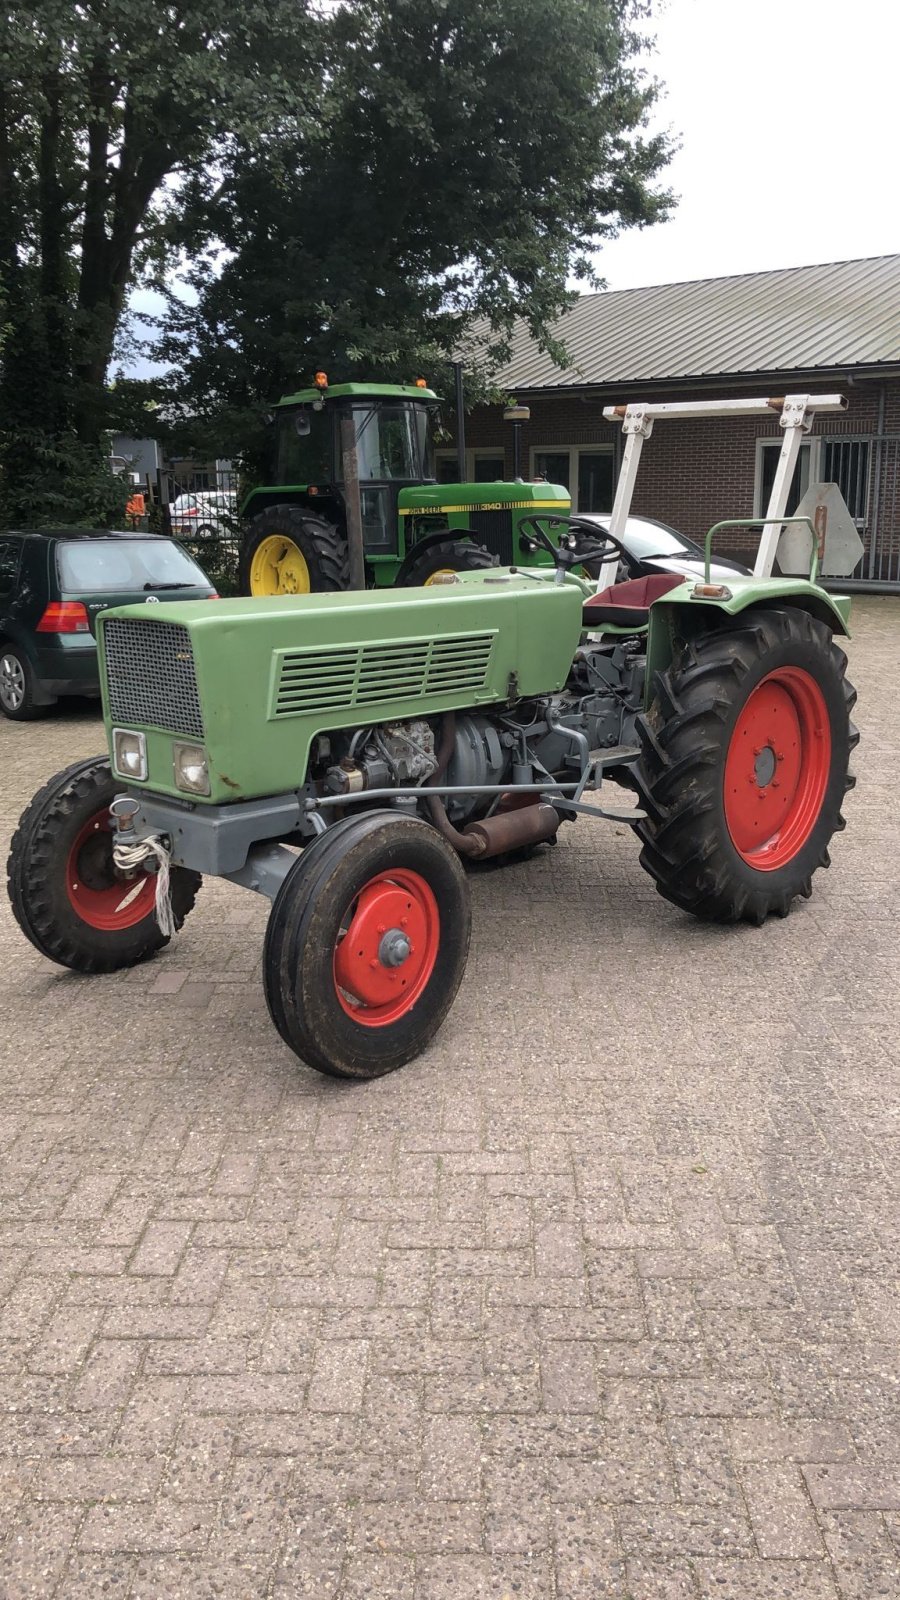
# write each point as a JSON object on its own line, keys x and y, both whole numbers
{"x": 494, "y": 529}
{"x": 369, "y": 675}
{"x": 150, "y": 675}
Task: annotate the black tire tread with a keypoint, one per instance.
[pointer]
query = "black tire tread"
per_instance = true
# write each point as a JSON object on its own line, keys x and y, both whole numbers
{"x": 32, "y": 860}
{"x": 287, "y": 938}
{"x": 323, "y": 546}
{"x": 460, "y": 555}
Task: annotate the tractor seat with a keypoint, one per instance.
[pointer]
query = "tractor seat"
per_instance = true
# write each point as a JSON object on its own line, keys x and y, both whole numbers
{"x": 627, "y": 605}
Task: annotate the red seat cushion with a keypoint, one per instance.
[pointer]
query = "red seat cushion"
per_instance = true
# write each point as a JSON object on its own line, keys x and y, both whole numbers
{"x": 628, "y": 604}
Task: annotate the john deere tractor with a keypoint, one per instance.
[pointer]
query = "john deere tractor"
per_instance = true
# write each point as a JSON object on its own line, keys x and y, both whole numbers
{"x": 346, "y": 754}
{"x": 379, "y": 437}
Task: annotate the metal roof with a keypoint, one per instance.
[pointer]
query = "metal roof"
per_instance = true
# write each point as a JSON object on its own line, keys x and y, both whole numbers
{"x": 841, "y": 314}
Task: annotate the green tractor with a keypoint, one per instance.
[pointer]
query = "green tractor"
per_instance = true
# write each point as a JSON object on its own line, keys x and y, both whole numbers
{"x": 375, "y": 441}
{"x": 347, "y": 754}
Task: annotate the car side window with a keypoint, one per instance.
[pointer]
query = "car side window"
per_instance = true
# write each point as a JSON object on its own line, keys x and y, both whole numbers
{"x": 9, "y": 565}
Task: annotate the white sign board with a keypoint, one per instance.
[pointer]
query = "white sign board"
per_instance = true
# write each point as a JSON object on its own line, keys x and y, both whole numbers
{"x": 824, "y": 504}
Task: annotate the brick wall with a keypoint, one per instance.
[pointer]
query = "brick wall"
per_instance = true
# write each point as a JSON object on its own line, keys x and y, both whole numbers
{"x": 691, "y": 473}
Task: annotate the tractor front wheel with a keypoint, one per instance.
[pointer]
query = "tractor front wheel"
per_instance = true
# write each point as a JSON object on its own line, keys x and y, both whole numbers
{"x": 367, "y": 944}
{"x": 66, "y": 894}
{"x": 289, "y": 550}
{"x": 450, "y": 555}
{"x": 743, "y": 766}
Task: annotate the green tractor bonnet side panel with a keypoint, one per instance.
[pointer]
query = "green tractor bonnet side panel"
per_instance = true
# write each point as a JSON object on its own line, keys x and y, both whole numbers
{"x": 457, "y": 498}
{"x": 255, "y": 680}
{"x": 491, "y": 512}
{"x": 679, "y": 615}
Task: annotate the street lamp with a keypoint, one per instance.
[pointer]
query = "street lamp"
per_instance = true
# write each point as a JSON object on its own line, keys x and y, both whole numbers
{"x": 517, "y": 415}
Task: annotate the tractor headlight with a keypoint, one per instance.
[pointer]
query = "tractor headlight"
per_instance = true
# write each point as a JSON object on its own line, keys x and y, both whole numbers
{"x": 129, "y": 754}
{"x": 191, "y": 768}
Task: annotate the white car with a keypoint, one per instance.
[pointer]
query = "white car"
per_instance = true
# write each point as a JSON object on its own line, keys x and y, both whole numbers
{"x": 204, "y": 514}
{"x": 647, "y": 547}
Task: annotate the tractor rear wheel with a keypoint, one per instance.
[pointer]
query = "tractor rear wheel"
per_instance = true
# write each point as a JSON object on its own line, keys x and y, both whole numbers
{"x": 65, "y": 892}
{"x": 450, "y": 555}
{"x": 743, "y": 766}
{"x": 367, "y": 944}
{"x": 289, "y": 550}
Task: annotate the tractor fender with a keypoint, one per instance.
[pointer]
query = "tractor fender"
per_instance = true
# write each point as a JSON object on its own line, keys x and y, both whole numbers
{"x": 415, "y": 550}
{"x": 679, "y": 616}
{"x": 328, "y": 506}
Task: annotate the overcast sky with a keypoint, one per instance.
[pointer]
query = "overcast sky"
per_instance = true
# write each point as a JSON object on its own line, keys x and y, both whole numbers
{"x": 788, "y": 118}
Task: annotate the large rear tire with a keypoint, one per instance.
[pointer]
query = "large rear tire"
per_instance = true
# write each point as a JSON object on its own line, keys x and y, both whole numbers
{"x": 367, "y": 944}
{"x": 289, "y": 550}
{"x": 65, "y": 893}
{"x": 743, "y": 766}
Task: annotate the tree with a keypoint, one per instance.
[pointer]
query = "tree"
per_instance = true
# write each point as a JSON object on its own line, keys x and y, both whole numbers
{"x": 471, "y": 156}
{"x": 114, "y": 117}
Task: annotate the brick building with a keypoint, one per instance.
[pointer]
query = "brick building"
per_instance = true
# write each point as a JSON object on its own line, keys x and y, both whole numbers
{"x": 815, "y": 329}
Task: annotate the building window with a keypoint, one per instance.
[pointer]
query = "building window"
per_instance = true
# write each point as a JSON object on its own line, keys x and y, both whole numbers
{"x": 554, "y": 465}
{"x": 847, "y": 465}
{"x": 767, "y": 453}
{"x": 587, "y": 473}
{"x": 595, "y": 480}
{"x": 482, "y": 466}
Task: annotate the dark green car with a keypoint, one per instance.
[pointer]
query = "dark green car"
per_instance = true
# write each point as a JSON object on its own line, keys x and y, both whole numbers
{"x": 54, "y": 584}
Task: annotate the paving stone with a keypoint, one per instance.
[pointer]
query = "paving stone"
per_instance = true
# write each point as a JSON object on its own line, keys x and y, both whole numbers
{"x": 854, "y": 1487}
{"x": 161, "y": 1248}
{"x": 766, "y": 1580}
{"x": 86, "y": 1577}
{"x": 89, "y": 1478}
{"x": 783, "y": 1522}
{"x": 569, "y": 1377}
{"x": 339, "y": 1376}
{"x": 162, "y": 1527}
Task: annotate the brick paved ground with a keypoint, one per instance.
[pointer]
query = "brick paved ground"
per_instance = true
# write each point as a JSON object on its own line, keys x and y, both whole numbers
{"x": 598, "y": 1299}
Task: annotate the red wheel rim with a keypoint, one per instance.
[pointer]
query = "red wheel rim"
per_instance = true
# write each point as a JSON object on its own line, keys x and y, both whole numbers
{"x": 776, "y": 770}
{"x": 387, "y": 948}
{"x": 102, "y": 900}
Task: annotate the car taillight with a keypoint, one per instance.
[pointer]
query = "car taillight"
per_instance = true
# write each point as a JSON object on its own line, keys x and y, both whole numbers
{"x": 212, "y": 596}
{"x": 64, "y": 616}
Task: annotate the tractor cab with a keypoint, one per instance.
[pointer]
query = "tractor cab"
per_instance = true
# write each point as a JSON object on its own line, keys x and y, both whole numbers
{"x": 389, "y": 433}
{"x": 377, "y": 438}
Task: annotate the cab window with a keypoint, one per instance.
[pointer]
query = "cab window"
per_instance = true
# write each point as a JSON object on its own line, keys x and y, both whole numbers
{"x": 303, "y": 447}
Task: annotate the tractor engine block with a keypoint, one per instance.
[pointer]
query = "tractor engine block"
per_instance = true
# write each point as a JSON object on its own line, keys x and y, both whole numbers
{"x": 548, "y": 734}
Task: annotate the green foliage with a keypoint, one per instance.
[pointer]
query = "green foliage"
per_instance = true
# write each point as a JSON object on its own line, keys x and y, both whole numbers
{"x": 357, "y": 185}
{"x": 112, "y": 113}
{"x": 469, "y": 156}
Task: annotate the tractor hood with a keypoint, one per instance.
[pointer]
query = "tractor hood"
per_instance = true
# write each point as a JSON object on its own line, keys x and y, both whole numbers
{"x": 252, "y": 682}
{"x": 449, "y": 497}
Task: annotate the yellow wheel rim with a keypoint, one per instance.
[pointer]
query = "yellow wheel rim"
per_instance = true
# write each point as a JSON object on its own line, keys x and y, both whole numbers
{"x": 442, "y": 572}
{"x": 279, "y": 566}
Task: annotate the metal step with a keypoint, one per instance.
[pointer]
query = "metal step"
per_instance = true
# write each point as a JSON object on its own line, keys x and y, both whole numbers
{"x": 615, "y": 756}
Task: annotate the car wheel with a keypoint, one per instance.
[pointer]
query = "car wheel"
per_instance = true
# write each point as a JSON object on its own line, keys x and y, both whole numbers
{"x": 17, "y": 685}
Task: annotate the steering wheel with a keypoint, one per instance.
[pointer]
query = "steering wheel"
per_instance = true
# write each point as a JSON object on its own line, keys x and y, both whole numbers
{"x": 574, "y": 548}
